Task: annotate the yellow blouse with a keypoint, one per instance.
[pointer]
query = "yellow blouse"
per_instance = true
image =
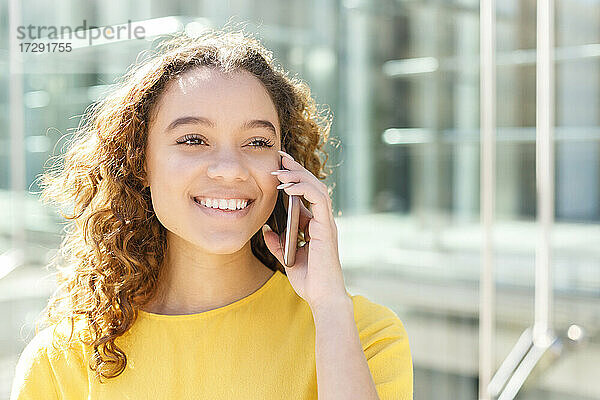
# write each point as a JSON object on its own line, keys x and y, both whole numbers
{"x": 259, "y": 347}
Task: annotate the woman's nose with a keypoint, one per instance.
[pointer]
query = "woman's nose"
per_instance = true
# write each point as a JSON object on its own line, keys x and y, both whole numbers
{"x": 227, "y": 166}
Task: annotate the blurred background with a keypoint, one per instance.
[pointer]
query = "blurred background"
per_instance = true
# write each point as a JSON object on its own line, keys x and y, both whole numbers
{"x": 402, "y": 78}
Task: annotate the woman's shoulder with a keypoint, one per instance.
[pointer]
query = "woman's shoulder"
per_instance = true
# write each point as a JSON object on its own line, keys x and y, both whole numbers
{"x": 374, "y": 320}
{"x": 38, "y": 348}
{"x": 364, "y": 307}
{"x": 47, "y": 362}
{"x": 386, "y": 346}
{"x": 54, "y": 344}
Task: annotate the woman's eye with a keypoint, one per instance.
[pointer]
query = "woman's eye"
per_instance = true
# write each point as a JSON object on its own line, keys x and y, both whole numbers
{"x": 259, "y": 143}
{"x": 264, "y": 143}
{"x": 187, "y": 138}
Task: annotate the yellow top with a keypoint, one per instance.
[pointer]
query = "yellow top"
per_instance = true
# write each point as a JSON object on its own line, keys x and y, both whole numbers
{"x": 259, "y": 347}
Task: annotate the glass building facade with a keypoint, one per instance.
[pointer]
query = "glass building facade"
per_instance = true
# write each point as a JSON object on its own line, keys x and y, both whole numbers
{"x": 402, "y": 80}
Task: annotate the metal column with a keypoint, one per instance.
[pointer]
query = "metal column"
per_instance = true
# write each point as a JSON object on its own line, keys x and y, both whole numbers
{"x": 539, "y": 341}
{"x": 488, "y": 138}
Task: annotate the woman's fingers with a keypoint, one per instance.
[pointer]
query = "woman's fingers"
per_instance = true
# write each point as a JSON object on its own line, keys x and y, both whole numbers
{"x": 297, "y": 180}
{"x": 296, "y": 173}
{"x": 304, "y": 216}
{"x": 304, "y": 220}
{"x": 273, "y": 242}
{"x": 320, "y": 204}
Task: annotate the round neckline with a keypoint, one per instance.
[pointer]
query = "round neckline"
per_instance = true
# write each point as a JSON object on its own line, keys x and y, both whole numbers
{"x": 205, "y": 314}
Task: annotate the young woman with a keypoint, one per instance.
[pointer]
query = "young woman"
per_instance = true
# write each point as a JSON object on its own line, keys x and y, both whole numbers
{"x": 168, "y": 286}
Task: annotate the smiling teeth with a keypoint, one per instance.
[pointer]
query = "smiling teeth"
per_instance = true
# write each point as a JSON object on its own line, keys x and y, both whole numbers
{"x": 224, "y": 204}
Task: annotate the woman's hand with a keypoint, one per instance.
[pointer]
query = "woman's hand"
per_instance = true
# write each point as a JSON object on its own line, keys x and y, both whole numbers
{"x": 317, "y": 273}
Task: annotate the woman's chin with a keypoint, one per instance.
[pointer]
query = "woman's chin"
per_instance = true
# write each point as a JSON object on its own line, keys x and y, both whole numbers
{"x": 223, "y": 243}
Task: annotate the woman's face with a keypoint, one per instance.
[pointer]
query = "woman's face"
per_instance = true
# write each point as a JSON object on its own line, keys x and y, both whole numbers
{"x": 209, "y": 138}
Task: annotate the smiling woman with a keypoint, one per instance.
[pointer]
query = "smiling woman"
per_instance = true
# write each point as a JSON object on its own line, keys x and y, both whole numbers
{"x": 168, "y": 287}
{"x": 202, "y": 143}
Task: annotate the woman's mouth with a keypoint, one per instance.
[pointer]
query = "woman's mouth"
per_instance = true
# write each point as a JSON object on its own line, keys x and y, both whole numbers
{"x": 224, "y": 213}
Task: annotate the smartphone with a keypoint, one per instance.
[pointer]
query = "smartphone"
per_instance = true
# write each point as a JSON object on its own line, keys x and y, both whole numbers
{"x": 290, "y": 241}
{"x": 291, "y": 230}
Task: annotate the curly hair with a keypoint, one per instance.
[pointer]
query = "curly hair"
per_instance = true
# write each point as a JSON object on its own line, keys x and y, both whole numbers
{"x": 109, "y": 262}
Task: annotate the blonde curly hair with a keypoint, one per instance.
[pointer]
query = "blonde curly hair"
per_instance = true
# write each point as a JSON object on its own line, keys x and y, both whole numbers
{"x": 108, "y": 264}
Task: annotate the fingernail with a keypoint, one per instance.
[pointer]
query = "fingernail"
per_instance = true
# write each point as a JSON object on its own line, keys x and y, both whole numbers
{"x": 285, "y": 185}
{"x": 283, "y": 153}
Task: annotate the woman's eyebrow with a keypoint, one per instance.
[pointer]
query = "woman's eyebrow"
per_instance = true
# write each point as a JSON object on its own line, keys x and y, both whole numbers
{"x": 191, "y": 120}
{"x": 259, "y": 123}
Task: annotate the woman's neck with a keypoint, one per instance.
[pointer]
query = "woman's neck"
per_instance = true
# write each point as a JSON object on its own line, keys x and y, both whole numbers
{"x": 190, "y": 289}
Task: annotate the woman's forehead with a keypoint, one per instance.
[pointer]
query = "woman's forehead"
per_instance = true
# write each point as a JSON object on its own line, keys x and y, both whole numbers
{"x": 205, "y": 79}
{"x": 198, "y": 78}
{"x": 216, "y": 95}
